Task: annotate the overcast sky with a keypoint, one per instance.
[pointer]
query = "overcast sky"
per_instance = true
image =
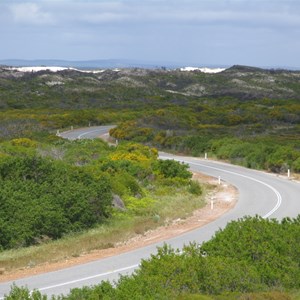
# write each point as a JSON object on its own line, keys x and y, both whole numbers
{"x": 199, "y": 32}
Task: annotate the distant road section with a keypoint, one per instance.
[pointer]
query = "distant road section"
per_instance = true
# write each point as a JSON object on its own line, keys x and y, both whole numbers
{"x": 260, "y": 193}
{"x": 86, "y": 133}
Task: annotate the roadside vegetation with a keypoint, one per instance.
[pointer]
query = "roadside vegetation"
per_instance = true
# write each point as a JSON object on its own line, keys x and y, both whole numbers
{"x": 259, "y": 134}
{"x": 252, "y": 258}
{"x": 248, "y": 116}
{"x": 64, "y": 198}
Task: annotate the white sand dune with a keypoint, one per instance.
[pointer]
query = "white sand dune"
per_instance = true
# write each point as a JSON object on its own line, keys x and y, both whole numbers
{"x": 51, "y": 69}
{"x": 204, "y": 70}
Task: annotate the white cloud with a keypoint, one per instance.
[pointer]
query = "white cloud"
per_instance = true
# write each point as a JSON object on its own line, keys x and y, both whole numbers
{"x": 30, "y": 13}
{"x": 236, "y": 12}
{"x": 261, "y": 13}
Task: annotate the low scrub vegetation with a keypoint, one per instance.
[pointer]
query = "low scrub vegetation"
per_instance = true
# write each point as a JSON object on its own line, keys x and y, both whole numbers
{"x": 260, "y": 134}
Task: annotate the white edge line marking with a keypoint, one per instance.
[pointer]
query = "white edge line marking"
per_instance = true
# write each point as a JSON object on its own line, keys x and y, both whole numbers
{"x": 84, "y": 279}
{"x": 85, "y": 133}
{"x": 278, "y": 195}
{"x": 87, "y": 278}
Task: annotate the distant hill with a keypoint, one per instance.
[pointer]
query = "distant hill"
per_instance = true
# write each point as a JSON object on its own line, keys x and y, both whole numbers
{"x": 128, "y": 87}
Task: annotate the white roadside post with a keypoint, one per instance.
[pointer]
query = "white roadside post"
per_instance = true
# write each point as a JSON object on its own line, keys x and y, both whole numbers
{"x": 219, "y": 180}
{"x": 205, "y": 155}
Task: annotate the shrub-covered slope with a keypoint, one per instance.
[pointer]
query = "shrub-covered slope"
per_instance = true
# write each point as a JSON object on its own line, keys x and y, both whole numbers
{"x": 131, "y": 87}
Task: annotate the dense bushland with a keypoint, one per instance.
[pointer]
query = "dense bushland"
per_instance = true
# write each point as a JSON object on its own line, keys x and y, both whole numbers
{"x": 260, "y": 134}
{"x": 52, "y": 189}
{"x": 245, "y": 115}
{"x": 43, "y": 199}
{"x": 132, "y": 88}
{"x": 251, "y": 258}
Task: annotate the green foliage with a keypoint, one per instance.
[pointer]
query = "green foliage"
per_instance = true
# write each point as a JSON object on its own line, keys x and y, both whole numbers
{"x": 169, "y": 274}
{"x": 139, "y": 206}
{"x": 125, "y": 184}
{"x": 80, "y": 152}
{"x": 267, "y": 245}
{"x": 52, "y": 188}
{"x": 42, "y": 199}
{"x": 103, "y": 291}
{"x": 18, "y": 149}
{"x": 249, "y": 133}
{"x": 261, "y": 139}
{"x": 172, "y": 169}
{"x": 106, "y": 291}
{"x": 296, "y": 165}
{"x": 25, "y": 142}
{"x": 18, "y": 293}
{"x": 195, "y": 188}
{"x": 198, "y": 144}
{"x": 137, "y": 169}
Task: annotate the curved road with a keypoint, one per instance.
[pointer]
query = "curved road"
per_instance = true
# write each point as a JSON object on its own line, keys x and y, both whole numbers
{"x": 260, "y": 193}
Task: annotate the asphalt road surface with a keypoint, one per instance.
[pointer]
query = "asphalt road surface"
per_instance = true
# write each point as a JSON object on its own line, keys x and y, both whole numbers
{"x": 260, "y": 193}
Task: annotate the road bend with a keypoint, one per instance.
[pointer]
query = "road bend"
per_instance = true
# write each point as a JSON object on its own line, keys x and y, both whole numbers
{"x": 260, "y": 193}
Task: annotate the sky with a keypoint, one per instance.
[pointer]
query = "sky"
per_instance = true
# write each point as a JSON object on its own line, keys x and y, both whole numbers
{"x": 263, "y": 33}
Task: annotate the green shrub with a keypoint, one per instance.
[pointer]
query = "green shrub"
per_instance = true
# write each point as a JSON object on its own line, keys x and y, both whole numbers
{"x": 172, "y": 169}
{"x": 195, "y": 188}
{"x": 18, "y": 293}
{"x": 43, "y": 199}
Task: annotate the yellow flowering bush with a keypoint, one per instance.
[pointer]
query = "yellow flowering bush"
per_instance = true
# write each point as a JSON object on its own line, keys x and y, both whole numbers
{"x": 25, "y": 142}
{"x": 139, "y": 206}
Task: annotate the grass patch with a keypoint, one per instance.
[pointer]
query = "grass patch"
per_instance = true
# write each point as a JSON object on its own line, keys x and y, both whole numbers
{"x": 295, "y": 295}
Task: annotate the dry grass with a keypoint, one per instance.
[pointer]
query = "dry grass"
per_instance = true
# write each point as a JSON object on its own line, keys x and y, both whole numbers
{"x": 296, "y": 177}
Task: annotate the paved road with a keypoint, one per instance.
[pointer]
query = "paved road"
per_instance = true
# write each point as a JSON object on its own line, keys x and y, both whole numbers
{"x": 86, "y": 133}
{"x": 259, "y": 193}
